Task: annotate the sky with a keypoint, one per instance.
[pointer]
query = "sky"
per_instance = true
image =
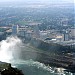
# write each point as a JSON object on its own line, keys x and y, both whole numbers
{"x": 68, "y": 1}
{"x": 24, "y": 2}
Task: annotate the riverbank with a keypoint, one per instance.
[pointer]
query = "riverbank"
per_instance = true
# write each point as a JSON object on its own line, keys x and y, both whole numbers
{"x": 30, "y": 52}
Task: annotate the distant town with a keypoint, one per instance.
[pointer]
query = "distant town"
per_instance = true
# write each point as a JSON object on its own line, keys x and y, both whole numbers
{"x": 49, "y": 24}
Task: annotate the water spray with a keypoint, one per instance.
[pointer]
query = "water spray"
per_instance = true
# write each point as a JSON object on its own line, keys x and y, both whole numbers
{"x": 7, "y": 48}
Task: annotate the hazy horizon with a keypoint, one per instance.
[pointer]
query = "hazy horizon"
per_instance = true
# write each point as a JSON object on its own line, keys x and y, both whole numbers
{"x": 42, "y": 1}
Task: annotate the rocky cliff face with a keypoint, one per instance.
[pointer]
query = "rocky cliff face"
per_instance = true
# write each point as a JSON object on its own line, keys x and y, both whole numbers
{"x": 6, "y": 69}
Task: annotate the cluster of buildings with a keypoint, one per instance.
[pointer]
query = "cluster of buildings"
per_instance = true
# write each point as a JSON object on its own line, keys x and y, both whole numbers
{"x": 48, "y": 35}
{"x": 31, "y": 31}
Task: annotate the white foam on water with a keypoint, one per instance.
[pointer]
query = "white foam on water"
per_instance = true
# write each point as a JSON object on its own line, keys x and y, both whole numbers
{"x": 39, "y": 65}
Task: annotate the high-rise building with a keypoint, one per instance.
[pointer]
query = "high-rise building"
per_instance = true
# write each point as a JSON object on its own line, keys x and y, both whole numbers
{"x": 66, "y": 37}
{"x": 73, "y": 33}
{"x": 36, "y": 31}
{"x": 14, "y": 29}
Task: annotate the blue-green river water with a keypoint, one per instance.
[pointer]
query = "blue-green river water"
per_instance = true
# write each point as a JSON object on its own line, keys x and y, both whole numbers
{"x": 30, "y": 67}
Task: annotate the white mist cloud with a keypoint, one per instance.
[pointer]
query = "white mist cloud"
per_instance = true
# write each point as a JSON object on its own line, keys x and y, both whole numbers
{"x": 7, "y": 48}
